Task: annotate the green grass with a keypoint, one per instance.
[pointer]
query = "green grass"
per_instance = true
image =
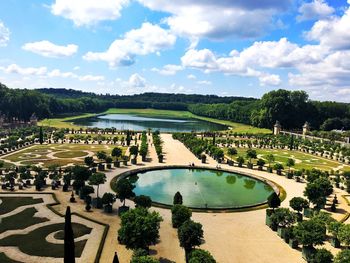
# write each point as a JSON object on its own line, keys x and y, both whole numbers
{"x": 236, "y": 127}
{"x": 302, "y": 160}
{"x": 5, "y": 259}
{"x": 11, "y": 203}
{"x": 21, "y": 220}
{"x": 65, "y": 153}
{"x": 70, "y": 154}
{"x": 34, "y": 243}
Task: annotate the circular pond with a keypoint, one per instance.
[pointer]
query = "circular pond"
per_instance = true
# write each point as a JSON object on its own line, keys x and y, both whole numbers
{"x": 202, "y": 188}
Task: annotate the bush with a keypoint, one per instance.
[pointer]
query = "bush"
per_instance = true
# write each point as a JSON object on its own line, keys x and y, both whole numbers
{"x": 343, "y": 256}
{"x": 190, "y": 235}
{"x": 143, "y": 201}
{"x": 310, "y": 233}
{"x": 139, "y": 228}
{"x": 201, "y": 256}
{"x": 322, "y": 256}
{"x": 180, "y": 214}
{"x": 274, "y": 201}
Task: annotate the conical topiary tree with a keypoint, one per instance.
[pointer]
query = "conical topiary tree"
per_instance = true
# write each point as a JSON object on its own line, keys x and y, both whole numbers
{"x": 69, "y": 247}
{"x": 274, "y": 201}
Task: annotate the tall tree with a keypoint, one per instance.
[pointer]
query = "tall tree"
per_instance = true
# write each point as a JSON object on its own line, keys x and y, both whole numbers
{"x": 69, "y": 246}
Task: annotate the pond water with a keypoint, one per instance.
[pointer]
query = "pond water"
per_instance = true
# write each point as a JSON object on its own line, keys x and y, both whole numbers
{"x": 201, "y": 188}
{"x": 138, "y": 123}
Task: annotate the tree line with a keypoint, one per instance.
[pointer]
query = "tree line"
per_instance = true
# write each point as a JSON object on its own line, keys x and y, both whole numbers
{"x": 291, "y": 108}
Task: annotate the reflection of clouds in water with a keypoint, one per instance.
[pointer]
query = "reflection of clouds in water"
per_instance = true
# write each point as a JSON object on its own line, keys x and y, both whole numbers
{"x": 152, "y": 178}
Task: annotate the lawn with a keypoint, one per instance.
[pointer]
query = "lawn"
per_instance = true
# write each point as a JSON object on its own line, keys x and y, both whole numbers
{"x": 34, "y": 243}
{"x": 235, "y": 127}
{"x": 16, "y": 221}
{"x": 5, "y": 259}
{"x": 11, "y": 203}
{"x": 302, "y": 160}
{"x": 63, "y": 154}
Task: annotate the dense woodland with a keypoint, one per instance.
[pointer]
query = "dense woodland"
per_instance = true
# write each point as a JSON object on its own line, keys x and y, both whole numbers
{"x": 291, "y": 108}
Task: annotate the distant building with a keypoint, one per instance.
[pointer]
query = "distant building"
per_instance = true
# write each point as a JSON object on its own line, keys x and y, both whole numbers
{"x": 277, "y": 128}
{"x": 16, "y": 122}
{"x": 33, "y": 120}
{"x": 306, "y": 128}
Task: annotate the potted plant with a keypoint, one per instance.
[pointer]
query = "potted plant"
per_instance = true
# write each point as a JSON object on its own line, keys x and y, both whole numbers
{"x": 334, "y": 230}
{"x": 282, "y": 218}
{"x": 203, "y": 158}
{"x": 107, "y": 200}
{"x": 298, "y": 204}
{"x": 278, "y": 167}
{"x": 85, "y": 191}
{"x": 309, "y": 233}
{"x": 240, "y": 161}
{"x": 260, "y": 164}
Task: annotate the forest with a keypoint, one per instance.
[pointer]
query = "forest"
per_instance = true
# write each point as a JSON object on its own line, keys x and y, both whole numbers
{"x": 291, "y": 108}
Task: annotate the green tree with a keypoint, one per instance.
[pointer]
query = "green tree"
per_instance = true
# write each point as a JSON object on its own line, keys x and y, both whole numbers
{"x": 108, "y": 199}
{"x": 134, "y": 150}
{"x": 310, "y": 233}
{"x": 344, "y": 234}
{"x": 69, "y": 246}
{"x": 298, "y": 204}
{"x": 343, "y": 256}
{"x": 117, "y": 152}
{"x": 97, "y": 179}
{"x": 231, "y": 152}
{"x": 251, "y": 154}
{"x": 270, "y": 159}
{"x": 177, "y": 199}
{"x": 41, "y": 135}
{"x": 318, "y": 190}
{"x": 124, "y": 189}
{"x": 139, "y": 228}
{"x": 283, "y": 217}
{"x": 290, "y": 163}
{"x": 180, "y": 214}
{"x": 201, "y": 256}
{"x": 143, "y": 201}
{"x": 274, "y": 201}
{"x": 89, "y": 161}
{"x": 322, "y": 255}
{"x": 190, "y": 235}
{"x": 101, "y": 155}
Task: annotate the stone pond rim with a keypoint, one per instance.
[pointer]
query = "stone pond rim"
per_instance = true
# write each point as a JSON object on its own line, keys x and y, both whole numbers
{"x": 260, "y": 205}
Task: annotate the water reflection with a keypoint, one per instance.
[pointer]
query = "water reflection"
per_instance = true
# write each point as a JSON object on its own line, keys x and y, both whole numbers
{"x": 134, "y": 122}
{"x": 249, "y": 184}
{"x": 231, "y": 179}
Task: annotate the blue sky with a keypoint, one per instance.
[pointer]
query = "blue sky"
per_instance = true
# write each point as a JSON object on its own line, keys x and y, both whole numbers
{"x": 223, "y": 47}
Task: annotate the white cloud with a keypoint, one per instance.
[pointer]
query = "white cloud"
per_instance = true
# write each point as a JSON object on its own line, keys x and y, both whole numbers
{"x": 88, "y": 12}
{"x": 47, "y": 49}
{"x": 15, "y": 69}
{"x": 204, "y": 82}
{"x": 218, "y": 19}
{"x": 136, "y": 81}
{"x": 168, "y": 70}
{"x": 269, "y": 80}
{"x": 191, "y": 76}
{"x": 43, "y": 72}
{"x": 145, "y": 40}
{"x": 91, "y": 78}
{"x": 4, "y": 35}
{"x": 333, "y": 33}
{"x": 317, "y": 9}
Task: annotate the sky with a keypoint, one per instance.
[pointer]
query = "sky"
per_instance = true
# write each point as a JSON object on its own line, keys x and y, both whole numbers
{"x": 223, "y": 47}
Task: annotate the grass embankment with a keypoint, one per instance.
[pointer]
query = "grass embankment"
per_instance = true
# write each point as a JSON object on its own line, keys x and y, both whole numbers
{"x": 235, "y": 127}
